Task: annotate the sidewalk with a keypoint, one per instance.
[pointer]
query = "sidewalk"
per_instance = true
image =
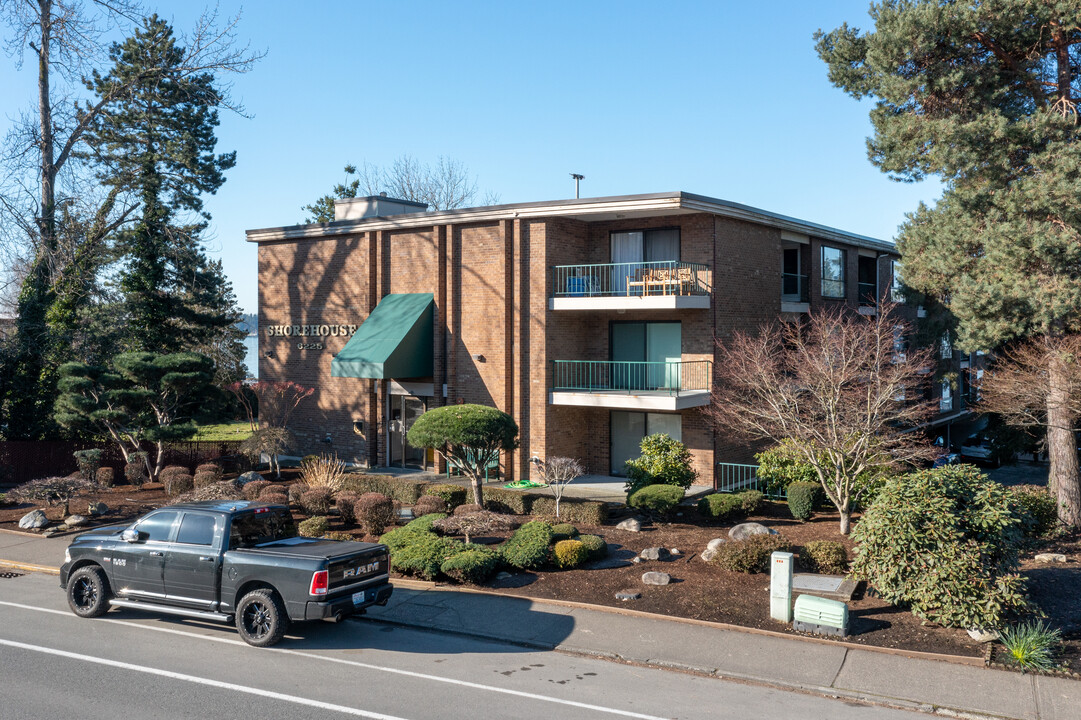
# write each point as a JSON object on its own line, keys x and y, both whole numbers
{"x": 825, "y": 668}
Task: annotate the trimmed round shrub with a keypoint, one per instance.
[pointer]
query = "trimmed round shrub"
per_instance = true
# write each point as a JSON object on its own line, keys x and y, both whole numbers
{"x": 374, "y": 511}
{"x": 254, "y": 488}
{"x": 296, "y": 490}
{"x": 467, "y": 509}
{"x": 750, "y": 555}
{"x": 170, "y": 470}
{"x": 528, "y": 547}
{"x": 664, "y": 461}
{"x": 1037, "y": 508}
{"x": 595, "y": 545}
{"x": 475, "y": 564}
{"x": 802, "y": 498}
{"x": 105, "y": 476}
{"x": 317, "y": 501}
{"x": 274, "y": 498}
{"x": 569, "y": 554}
{"x": 135, "y": 469}
{"x": 88, "y": 462}
{"x": 178, "y": 483}
{"x": 720, "y": 506}
{"x": 338, "y": 535}
{"x": 750, "y": 500}
{"x": 944, "y": 542}
{"x": 272, "y": 489}
{"x": 452, "y": 495}
{"x": 424, "y": 522}
{"x": 824, "y": 556}
{"x": 657, "y": 500}
{"x": 424, "y": 553}
{"x": 203, "y": 479}
{"x": 212, "y": 468}
{"x": 564, "y": 531}
{"x": 428, "y": 504}
{"x": 345, "y": 501}
{"x": 313, "y": 527}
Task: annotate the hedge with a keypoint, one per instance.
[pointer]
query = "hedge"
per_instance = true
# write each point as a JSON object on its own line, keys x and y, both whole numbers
{"x": 402, "y": 489}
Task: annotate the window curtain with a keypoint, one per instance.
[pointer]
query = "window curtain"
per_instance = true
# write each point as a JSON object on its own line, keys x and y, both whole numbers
{"x": 662, "y": 246}
{"x": 626, "y": 248}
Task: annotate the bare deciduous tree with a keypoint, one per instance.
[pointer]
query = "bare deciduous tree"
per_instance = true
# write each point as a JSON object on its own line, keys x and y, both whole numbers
{"x": 839, "y": 386}
{"x": 558, "y": 473}
{"x": 1037, "y": 383}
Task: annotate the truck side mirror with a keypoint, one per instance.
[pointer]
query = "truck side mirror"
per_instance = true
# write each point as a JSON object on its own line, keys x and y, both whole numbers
{"x": 130, "y": 535}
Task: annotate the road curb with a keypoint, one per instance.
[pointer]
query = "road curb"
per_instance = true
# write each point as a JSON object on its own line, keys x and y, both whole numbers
{"x": 30, "y": 567}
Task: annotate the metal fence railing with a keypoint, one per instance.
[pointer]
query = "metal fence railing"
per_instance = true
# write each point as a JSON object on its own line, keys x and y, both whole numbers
{"x": 634, "y": 279}
{"x": 795, "y": 288}
{"x": 613, "y": 376}
{"x": 733, "y": 477}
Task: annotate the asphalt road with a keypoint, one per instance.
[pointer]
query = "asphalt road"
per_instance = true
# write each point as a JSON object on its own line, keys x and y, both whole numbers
{"x": 134, "y": 665}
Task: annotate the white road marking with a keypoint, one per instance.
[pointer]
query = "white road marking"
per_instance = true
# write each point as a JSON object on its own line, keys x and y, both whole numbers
{"x": 354, "y": 663}
{"x": 202, "y": 681}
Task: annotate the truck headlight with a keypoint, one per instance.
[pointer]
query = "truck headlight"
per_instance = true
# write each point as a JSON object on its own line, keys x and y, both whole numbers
{"x": 67, "y": 555}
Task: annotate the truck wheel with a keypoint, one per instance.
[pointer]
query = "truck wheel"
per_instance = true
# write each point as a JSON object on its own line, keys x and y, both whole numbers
{"x": 88, "y": 592}
{"x": 261, "y": 618}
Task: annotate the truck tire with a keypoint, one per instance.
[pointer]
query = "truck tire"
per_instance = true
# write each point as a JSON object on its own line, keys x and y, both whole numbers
{"x": 88, "y": 592}
{"x": 260, "y": 618}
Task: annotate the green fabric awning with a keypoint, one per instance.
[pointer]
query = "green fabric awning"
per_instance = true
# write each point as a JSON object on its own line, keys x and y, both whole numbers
{"x": 394, "y": 342}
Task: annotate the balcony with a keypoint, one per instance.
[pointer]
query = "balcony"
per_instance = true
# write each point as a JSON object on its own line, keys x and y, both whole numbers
{"x": 632, "y": 385}
{"x": 663, "y": 285}
{"x": 868, "y": 297}
{"x": 795, "y": 292}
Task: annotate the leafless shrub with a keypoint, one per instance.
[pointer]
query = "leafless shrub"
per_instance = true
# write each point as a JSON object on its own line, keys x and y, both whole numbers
{"x": 323, "y": 472}
{"x": 476, "y": 523}
{"x": 559, "y": 472}
{"x": 53, "y": 491}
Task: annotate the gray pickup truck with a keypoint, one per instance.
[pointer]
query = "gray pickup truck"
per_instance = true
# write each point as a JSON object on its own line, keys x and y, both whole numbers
{"x": 229, "y": 561}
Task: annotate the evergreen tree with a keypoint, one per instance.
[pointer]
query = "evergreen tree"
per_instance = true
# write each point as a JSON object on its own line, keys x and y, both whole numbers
{"x": 983, "y": 95}
{"x": 157, "y": 141}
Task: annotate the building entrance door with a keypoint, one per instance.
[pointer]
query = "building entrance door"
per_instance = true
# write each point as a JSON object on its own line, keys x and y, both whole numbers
{"x": 404, "y": 411}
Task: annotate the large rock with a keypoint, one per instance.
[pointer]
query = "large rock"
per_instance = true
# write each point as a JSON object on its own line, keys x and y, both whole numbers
{"x": 657, "y": 553}
{"x": 631, "y": 525}
{"x": 982, "y": 635}
{"x": 656, "y": 578}
{"x": 1050, "y": 558}
{"x": 709, "y": 553}
{"x": 33, "y": 520}
{"x": 628, "y": 595}
{"x": 715, "y": 543}
{"x": 76, "y": 521}
{"x": 96, "y": 509}
{"x": 746, "y": 530}
{"x": 250, "y": 476}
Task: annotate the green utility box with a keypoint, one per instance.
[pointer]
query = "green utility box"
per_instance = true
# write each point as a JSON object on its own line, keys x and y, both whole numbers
{"x": 820, "y": 616}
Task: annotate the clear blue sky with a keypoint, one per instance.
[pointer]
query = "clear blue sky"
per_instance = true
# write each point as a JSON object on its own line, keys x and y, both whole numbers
{"x": 725, "y": 99}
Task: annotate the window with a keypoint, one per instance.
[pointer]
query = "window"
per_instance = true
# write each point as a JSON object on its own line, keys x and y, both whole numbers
{"x": 945, "y": 347}
{"x": 635, "y": 250}
{"x": 157, "y": 527}
{"x": 649, "y": 355}
{"x": 946, "y": 402}
{"x": 628, "y": 429}
{"x": 897, "y": 289}
{"x": 867, "y": 277}
{"x": 833, "y": 272}
{"x": 196, "y": 529}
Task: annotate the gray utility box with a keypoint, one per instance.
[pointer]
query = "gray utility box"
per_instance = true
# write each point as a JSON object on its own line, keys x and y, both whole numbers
{"x": 820, "y": 616}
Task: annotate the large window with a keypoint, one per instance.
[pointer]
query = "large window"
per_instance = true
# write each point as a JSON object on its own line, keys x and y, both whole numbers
{"x": 897, "y": 289}
{"x": 639, "y": 249}
{"x": 833, "y": 272}
{"x": 645, "y": 356}
{"x": 628, "y": 429}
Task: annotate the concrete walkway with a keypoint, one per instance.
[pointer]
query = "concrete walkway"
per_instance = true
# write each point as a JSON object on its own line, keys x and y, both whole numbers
{"x": 962, "y": 687}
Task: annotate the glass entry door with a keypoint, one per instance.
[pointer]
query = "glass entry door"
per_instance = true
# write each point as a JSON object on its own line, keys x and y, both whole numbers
{"x": 628, "y": 429}
{"x": 404, "y": 411}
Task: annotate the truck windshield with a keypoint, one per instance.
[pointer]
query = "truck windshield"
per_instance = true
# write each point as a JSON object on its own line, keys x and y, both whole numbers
{"x": 256, "y": 528}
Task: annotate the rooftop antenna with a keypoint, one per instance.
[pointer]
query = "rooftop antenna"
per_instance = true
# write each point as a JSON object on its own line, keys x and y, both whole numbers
{"x": 577, "y": 177}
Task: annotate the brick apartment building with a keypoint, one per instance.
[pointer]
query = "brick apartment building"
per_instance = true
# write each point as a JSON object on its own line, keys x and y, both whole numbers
{"x": 591, "y": 321}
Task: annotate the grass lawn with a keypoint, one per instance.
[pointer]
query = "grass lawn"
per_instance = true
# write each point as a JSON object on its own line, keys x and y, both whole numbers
{"x": 226, "y": 431}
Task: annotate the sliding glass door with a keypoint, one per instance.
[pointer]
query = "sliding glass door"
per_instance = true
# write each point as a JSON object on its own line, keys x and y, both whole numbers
{"x": 636, "y": 344}
{"x": 628, "y": 429}
{"x": 631, "y": 250}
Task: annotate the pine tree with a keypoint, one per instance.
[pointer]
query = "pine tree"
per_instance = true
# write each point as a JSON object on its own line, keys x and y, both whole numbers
{"x": 157, "y": 141}
{"x": 982, "y": 95}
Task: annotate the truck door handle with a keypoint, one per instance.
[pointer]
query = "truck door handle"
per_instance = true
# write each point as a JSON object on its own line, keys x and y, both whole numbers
{"x": 207, "y": 558}
{"x": 155, "y": 553}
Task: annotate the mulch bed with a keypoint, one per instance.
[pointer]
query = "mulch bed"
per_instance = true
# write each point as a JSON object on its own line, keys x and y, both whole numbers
{"x": 701, "y": 590}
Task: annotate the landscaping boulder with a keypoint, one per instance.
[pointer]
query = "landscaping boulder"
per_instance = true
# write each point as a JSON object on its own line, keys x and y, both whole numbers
{"x": 1050, "y": 558}
{"x": 628, "y": 595}
{"x": 982, "y": 635}
{"x": 96, "y": 509}
{"x": 709, "y": 553}
{"x": 630, "y": 524}
{"x": 250, "y": 476}
{"x": 746, "y": 530}
{"x": 33, "y": 519}
{"x": 675, "y": 552}
{"x": 656, "y": 578}
{"x": 715, "y": 543}
{"x": 655, "y": 553}
{"x": 76, "y": 521}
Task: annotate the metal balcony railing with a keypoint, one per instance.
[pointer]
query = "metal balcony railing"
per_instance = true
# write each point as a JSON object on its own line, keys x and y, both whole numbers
{"x": 669, "y": 277}
{"x": 795, "y": 288}
{"x": 627, "y": 377}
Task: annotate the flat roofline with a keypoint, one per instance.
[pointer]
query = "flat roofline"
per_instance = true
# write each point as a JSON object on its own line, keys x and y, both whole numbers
{"x": 662, "y": 203}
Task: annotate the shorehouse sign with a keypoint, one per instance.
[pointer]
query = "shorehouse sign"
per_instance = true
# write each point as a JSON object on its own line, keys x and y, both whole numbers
{"x": 310, "y": 331}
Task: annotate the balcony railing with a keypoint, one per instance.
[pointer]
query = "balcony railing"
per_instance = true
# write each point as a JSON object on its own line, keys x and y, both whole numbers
{"x": 795, "y": 288}
{"x": 868, "y": 294}
{"x": 596, "y": 376}
{"x": 669, "y": 277}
